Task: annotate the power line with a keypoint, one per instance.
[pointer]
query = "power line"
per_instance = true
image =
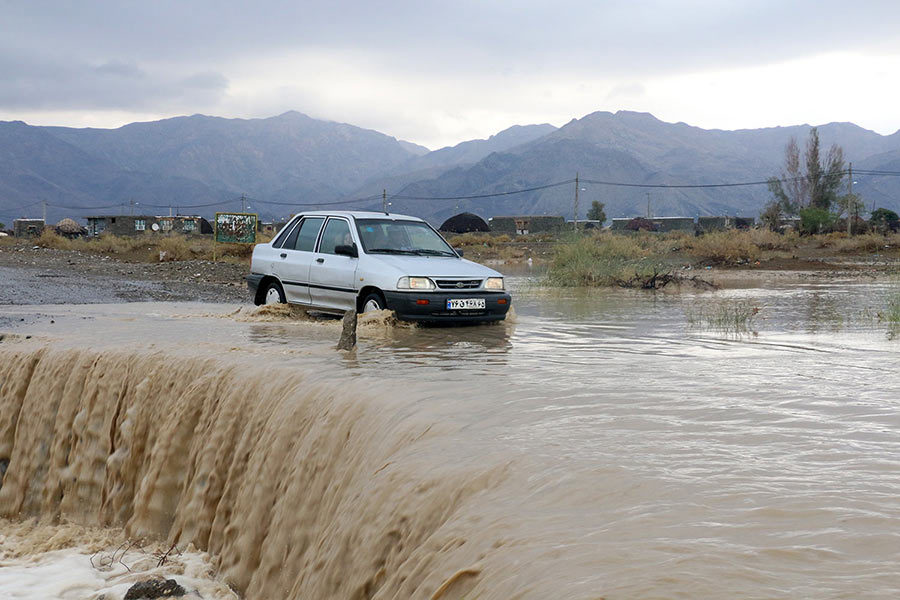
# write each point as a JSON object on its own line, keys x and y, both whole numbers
{"x": 494, "y": 195}
{"x": 398, "y": 195}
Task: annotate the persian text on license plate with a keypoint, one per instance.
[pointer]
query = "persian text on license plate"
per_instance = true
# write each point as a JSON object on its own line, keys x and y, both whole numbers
{"x": 465, "y": 304}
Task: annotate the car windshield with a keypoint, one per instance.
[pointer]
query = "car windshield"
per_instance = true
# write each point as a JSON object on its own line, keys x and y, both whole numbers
{"x": 386, "y": 236}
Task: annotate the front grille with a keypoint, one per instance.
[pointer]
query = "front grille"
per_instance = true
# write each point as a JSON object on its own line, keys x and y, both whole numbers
{"x": 458, "y": 284}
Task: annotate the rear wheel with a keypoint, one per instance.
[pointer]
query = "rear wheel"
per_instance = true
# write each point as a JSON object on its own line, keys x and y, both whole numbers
{"x": 274, "y": 294}
{"x": 372, "y": 302}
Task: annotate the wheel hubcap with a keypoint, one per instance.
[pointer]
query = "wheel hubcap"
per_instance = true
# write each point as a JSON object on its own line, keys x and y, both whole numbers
{"x": 273, "y": 297}
{"x": 371, "y": 305}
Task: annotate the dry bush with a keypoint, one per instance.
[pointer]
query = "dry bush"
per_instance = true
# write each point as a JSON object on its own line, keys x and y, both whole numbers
{"x": 235, "y": 250}
{"x": 766, "y": 239}
{"x": 829, "y": 240}
{"x": 113, "y": 244}
{"x": 479, "y": 239}
{"x": 51, "y": 239}
{"x": 173, "y": 247}
{"x": 870, "y": 242}
{"x": 725, "y": 247}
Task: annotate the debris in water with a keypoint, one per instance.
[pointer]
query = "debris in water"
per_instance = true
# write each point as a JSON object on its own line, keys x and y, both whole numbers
{"x": 154, "y": 588}
{"x": 348, "y": 331}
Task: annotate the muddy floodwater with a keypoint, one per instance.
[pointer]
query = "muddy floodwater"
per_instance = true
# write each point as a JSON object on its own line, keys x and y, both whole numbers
{"x": 604, "y": 444}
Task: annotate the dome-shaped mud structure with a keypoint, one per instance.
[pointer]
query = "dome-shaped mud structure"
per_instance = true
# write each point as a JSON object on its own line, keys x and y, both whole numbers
{"x": 465, "y": 223}
{"x": 70, "y": 228}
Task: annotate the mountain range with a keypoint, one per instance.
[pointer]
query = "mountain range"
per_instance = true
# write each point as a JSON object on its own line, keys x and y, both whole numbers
{"x": 283, "y": 164}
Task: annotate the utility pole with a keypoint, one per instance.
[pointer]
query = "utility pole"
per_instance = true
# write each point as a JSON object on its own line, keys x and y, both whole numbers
{"x": 850, "y": 199}
{"x": 242, "y": 203}
{"x": 384, "y": 201}
{"x": 575, "y": 211}
{"x": 44, "y": 203}
{"x": 131, "y": 201}
{"x": 648, "y": 205}
{"x": 170, "y": 210}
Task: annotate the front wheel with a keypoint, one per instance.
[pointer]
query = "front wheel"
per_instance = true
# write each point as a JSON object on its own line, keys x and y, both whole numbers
{"x": 274, "y": 294}
{"x": 373, "y": 302}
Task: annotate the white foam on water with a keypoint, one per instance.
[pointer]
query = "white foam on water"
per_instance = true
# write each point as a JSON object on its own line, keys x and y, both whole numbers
{"x": 76, "y": 574}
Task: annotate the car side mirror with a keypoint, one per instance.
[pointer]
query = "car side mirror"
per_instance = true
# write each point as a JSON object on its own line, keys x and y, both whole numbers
{"x": 458, "y": 251}
{"x": 347, "y": 250}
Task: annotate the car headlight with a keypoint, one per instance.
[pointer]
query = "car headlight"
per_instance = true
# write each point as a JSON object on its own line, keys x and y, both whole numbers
{"x": 415, "y": 283}
{"x": 493, "y": 283}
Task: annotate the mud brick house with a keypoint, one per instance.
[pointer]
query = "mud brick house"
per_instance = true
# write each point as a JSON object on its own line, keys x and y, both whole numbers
{"x": 28, "y": 227}
{"x": 707, "y": 224}
{"x": 140, "y": 224}
{"x": 527, "y": 224}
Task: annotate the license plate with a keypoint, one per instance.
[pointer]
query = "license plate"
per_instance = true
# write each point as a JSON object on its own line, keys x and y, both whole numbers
{"x": 465, "y": 304}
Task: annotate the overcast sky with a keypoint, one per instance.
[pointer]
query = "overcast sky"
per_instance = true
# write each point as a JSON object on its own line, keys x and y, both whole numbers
{"x": 438, "y": 73}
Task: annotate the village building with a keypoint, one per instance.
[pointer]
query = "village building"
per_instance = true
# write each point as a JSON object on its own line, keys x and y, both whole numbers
{"x": 28, "y": 227}
{"x": 525, "y": 224}
{"x": 270, "y": 228}
{"x": 139, "y": 224}
{"x": 708, "y": 224}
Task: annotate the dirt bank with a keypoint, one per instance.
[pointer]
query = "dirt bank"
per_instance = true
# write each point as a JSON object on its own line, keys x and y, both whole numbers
{"x": 33, "y": 275}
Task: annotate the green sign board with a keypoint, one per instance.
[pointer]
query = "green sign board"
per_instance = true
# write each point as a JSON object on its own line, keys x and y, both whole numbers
{"x": 236, "y": 228}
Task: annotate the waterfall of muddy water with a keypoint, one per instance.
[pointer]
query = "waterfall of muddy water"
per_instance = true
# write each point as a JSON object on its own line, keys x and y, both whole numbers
{"x": 598, "y": 447}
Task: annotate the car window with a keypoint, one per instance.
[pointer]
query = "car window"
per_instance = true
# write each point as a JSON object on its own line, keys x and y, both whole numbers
{"x": 309, "y": 231}
{"x": 289, "y": 238}
{"x": 383, "y": 236}
{"x": 337, "y": 233}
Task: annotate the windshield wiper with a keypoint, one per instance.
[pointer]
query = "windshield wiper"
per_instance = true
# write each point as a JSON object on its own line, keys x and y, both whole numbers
{"x": 391, "y": 251}
{"x": 430, "y": 252}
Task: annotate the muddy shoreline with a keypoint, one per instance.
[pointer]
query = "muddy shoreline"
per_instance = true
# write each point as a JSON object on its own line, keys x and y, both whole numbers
{"x": 32, "y": 275}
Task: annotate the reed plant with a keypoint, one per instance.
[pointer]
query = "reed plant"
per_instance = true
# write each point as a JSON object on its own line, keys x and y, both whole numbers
{"x": 725, "y": 316}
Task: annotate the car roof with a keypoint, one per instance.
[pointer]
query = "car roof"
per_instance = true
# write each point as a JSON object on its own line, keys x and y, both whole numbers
{"x": 358, "y": 214}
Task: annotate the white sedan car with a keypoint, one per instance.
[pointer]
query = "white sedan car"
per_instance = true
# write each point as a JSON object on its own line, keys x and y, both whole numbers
{"x": 336, "y": 261}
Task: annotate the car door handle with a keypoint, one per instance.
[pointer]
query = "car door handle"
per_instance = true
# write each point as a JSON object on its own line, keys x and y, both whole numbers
{"x": 320, "y": 260}
{"x": 284, "y": 255}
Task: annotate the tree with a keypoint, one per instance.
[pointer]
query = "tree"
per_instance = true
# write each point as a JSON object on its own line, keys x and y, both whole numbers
{"x": 2, "y": 226}
{"x": 596, "y": 213}
{"x": 771, "y": 215}
{"x": 815, "y": 220}
{"x": 810, "y": 182}
{"x": 852, "y": 205}
{"x": 885, "y": 220}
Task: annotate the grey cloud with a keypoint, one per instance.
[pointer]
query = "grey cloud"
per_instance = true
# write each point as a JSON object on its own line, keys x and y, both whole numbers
{"x": 32, "y": 84}
{"x": 461, "y": 36}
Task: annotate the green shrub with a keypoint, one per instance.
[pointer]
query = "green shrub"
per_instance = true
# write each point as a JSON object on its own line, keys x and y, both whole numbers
{"x": 816, "y": 220}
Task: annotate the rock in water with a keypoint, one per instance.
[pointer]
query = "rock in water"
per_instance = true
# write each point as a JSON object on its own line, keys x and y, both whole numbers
{"x": 154, "y": 588}
{"x": 348, "y": 333}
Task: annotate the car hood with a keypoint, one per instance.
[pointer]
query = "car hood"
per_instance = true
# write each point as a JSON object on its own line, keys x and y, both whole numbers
{"x": 434, "y": 266}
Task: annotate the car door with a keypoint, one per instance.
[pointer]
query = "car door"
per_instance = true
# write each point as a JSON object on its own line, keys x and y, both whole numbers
{"x": 332, "y": 277}
{"x": 296, "y": 257}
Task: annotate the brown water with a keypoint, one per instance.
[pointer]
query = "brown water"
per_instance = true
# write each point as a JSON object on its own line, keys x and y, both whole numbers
{"x": 600, "y": 446}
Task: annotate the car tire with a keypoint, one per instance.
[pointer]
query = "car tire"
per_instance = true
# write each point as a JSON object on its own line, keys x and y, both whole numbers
{"x": 274, "y": 294}
{"x": 372, "y": 302}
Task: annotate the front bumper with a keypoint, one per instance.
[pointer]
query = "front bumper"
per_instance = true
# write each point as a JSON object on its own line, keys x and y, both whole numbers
{"x": 253, "y": 280}
{"x": 405, "y": 305}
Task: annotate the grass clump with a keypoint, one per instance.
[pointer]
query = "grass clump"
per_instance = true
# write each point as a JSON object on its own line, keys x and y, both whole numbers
{"x": 766, "y": 239}
{"x": 725, "y": 247}
{"x": 603, "y": 260}
{"x": 869, "y": 242}
{"x": 51, "y": 239}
